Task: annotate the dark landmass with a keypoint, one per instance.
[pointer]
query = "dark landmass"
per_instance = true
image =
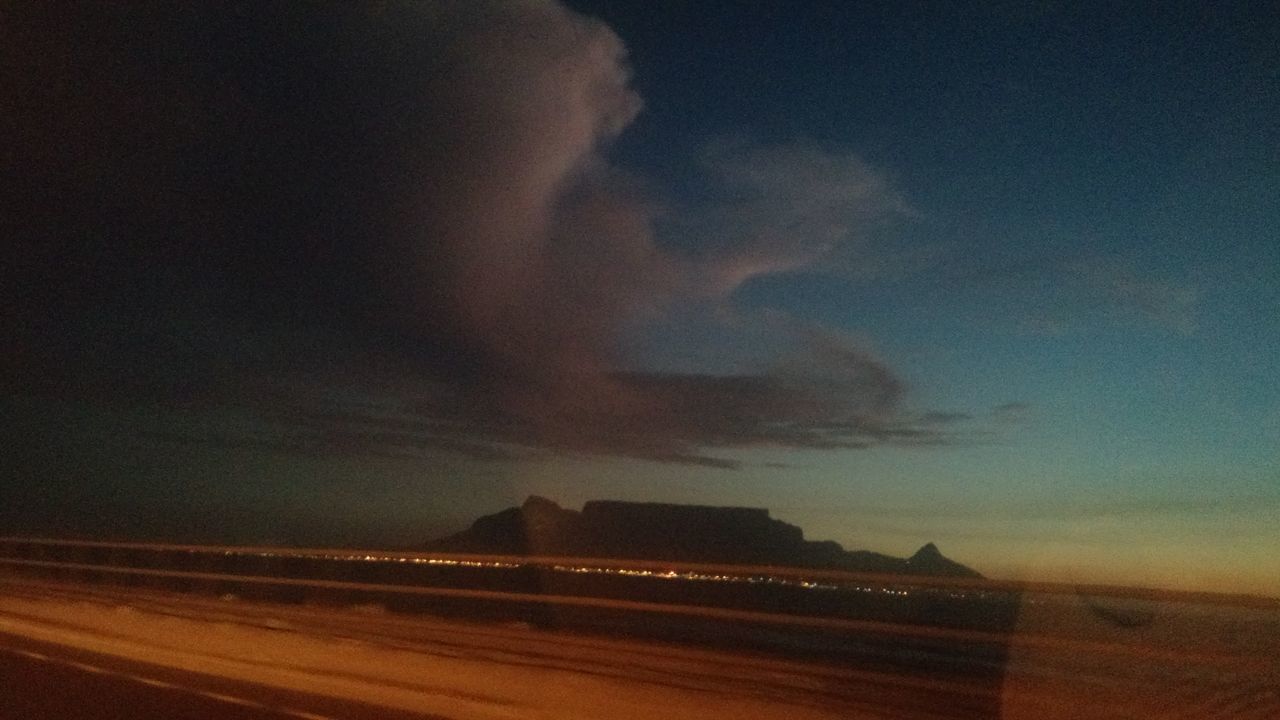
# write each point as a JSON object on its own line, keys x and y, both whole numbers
{"x": 682, "y": 533}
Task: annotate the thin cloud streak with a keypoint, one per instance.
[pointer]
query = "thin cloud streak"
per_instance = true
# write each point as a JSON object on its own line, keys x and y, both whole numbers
{"x": 1161, "y": 302}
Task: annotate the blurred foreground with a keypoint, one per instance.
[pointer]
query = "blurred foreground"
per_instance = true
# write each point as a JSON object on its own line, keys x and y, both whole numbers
{"x": 295, "y": 634}
{"x": 421, "y": 665}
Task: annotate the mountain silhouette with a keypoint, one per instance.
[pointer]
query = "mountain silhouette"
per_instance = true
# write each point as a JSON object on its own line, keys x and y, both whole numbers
{"x": 683, "y": 533}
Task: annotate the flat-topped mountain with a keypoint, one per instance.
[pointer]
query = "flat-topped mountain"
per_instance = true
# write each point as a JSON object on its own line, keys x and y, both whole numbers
{"x": 684, "y": 533}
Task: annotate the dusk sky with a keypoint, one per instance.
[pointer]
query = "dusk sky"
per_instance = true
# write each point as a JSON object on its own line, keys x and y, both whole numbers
{"x": 1004, "y": 276}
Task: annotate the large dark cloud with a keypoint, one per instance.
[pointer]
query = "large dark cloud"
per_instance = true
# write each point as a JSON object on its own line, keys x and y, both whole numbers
{"x": 391, "y": 169}
{"x": 206, "y": 199}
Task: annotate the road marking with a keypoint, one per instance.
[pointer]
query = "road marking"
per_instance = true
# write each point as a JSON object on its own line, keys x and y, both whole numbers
{"x": 304, "y": 714}
{"x": 153, "y": 682}
{"x": 87, "y": 668}
{"x": 32, "y": 655}
{"x": 230, "y": 699}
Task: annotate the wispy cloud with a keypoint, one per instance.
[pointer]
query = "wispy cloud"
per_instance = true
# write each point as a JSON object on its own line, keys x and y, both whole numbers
{"x": 784, "y": 207}
{"x": 944, "y": 418}
{"x": 1011, "y": 412}
{"x": 838, "y": 398}
{"x": 1162, "y": 302}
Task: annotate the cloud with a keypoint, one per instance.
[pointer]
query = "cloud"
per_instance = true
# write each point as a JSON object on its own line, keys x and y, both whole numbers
{"x": 784, "y": 207}
{"x": 1062, "y": 296}
{"x": 424, "y": 172}
{"x": 1162, "y": 302}
{"x": 944, "y": 418}
{"x": 1011, "y": 412}
{"x": 419, "y": 193}
{"x": 685, "y": 419}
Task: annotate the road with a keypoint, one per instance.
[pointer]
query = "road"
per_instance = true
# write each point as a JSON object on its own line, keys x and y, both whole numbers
{"x": 70, "y": 652}
{"x": 86, "y": 651}
{"x": 42, "y": 680}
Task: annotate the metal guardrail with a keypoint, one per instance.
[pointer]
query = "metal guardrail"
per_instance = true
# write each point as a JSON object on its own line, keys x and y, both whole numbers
{"x": 816, "y": 575}
{"x": 373, "y": 591}
{"x": 693, "y": 611}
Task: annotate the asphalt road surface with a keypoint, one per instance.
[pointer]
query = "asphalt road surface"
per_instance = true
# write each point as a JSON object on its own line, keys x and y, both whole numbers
{"x": 39, "y": 681}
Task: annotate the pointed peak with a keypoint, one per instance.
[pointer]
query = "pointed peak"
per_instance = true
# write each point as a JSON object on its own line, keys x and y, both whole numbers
{"x": 537, "y": 502}
{"x": 929, "y": 550}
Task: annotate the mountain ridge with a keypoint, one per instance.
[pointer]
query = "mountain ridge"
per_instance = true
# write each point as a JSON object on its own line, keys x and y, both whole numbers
{"x": 681, "y": 533}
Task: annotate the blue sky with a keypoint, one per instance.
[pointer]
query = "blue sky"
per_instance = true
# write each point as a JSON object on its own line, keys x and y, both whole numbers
{"x": 1094, "y": 233}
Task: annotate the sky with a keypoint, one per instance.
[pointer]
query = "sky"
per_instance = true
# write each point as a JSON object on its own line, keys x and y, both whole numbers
{"x": 1000, "y": 276}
